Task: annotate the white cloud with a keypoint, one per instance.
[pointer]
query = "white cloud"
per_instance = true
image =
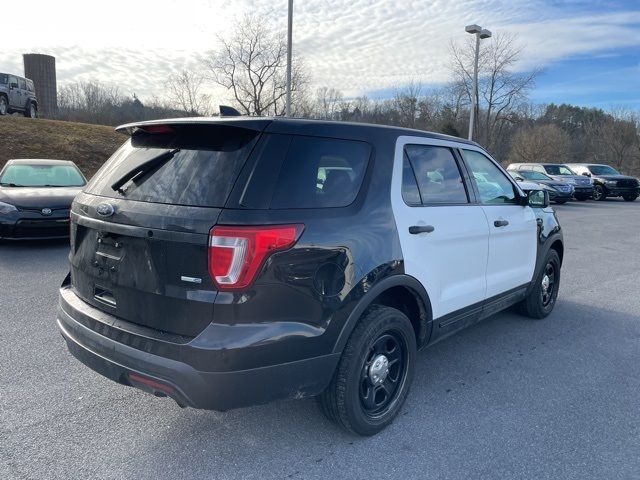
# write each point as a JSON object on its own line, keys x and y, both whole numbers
{"x": 357, "y": 46}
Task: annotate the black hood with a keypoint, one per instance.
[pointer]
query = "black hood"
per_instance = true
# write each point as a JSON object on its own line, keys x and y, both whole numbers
{"x": 39, "y": 197}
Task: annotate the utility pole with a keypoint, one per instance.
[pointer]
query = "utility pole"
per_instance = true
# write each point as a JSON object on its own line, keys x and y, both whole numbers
{"x": 480, "y": 34}
{"x": 289, "y": 48}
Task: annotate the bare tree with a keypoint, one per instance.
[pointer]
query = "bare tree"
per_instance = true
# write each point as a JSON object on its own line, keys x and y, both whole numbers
{"x": 186, "y": 93}
{"x": 545, "y": 143}
{"x": 327, "y": 104}
{"x": 501, "y": 89}
{"x": 252, "y": 66}
{"x": 615, "y": 140}
{"x": 407, "y": 103}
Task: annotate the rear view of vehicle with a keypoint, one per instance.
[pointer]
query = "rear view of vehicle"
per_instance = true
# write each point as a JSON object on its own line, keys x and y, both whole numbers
{"x": 194, "y": 273}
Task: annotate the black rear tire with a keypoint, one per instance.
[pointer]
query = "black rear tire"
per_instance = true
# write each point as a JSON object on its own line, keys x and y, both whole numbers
{"x": 31, "y": 111}
{"x": 4, "y": 105}
{"x": 353, "y": 399}
{"x": 540, "y": 301}
{"x": 599, "y": 193}
{"x": 630, "y": 198}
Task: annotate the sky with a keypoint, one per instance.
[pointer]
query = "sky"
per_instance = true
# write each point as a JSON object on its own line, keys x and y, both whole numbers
{"x": 589, "y": 51}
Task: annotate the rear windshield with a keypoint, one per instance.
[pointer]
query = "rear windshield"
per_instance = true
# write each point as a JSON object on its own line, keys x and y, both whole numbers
{"x": 295, "y": 171}
{"x": 21, "y": 175}
{"x": 197, "y": 166}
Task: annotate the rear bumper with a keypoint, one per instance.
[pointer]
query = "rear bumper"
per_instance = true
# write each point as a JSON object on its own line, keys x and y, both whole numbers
{"x": 176, "y": 377}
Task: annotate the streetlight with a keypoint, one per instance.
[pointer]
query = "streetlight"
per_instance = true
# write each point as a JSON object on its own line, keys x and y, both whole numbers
{"x": 289, "y": 47}
{"x": 481, "y": 34}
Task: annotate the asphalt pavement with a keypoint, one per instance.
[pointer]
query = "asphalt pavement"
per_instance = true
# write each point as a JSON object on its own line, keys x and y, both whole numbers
{"x": 508, "y": 398}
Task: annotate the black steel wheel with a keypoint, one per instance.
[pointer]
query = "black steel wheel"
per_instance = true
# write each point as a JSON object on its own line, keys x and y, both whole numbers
{"x": 375, "y": 371}
{"x": 544, "y": 289}
{"x": 383, "y": 371}
{"x": 548, "y": 284}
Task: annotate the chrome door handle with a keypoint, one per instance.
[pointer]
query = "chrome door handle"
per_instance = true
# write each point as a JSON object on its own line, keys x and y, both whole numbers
{"x": 416, "y": 229}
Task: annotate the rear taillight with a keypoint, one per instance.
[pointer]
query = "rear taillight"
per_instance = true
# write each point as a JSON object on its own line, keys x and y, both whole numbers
{"x": 236, "y": 254}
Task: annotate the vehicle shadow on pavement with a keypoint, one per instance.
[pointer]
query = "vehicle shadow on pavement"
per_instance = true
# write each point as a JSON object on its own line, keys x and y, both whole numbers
{"x": 488, "y": 387}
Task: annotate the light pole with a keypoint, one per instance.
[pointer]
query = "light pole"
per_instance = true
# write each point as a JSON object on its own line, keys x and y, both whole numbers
{"x": 481, "y": 34}
{"x": 289, "y": 47}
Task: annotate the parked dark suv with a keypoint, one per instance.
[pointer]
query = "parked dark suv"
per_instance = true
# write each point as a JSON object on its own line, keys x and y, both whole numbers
{"x": 608, "y": 182}
{"x": 231, "y": 262}
{"x": 17, "y": 94}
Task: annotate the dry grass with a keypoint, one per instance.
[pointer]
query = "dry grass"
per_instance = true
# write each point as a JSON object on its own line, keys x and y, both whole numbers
{"x": 89, "y": 146}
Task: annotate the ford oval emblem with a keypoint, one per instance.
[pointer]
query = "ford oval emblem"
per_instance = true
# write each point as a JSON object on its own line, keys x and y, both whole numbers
{"x": 46, "y": 211}
{"x": 105, "y": 209}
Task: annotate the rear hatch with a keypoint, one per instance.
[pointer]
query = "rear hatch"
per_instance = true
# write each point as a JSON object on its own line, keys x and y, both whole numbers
{"x": 139, "y": 232}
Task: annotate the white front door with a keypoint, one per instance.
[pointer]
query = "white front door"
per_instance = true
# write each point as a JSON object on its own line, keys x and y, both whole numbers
{"x": 513, "y": 228}
{"x": 444, "y": 238}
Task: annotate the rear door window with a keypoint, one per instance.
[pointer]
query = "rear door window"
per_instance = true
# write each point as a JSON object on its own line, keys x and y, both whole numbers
{"x": 22, "y": 83}
{"x": 200, "y": 166}
{"x": 306, "y": 172}
{"x": 438, "y": 175}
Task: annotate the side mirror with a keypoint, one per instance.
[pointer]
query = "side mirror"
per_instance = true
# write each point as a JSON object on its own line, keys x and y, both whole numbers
{"x": 538, "y": 198}
{"x": 586, "y": 174}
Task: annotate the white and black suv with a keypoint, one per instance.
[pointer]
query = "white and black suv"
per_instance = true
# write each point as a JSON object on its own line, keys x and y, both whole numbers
{"x": 235, "y": 261}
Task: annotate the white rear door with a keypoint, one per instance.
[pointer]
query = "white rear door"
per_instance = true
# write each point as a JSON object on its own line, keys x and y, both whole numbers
{"x": 444, "y": 238}
{"x": 513, "y": 228}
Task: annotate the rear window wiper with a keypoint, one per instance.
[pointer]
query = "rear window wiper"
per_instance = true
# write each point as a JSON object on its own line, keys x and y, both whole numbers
{"x": 142, "y": 169}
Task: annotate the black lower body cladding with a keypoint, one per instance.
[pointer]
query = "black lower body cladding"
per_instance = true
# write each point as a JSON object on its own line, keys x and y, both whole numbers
{"x": 169, "y": 365}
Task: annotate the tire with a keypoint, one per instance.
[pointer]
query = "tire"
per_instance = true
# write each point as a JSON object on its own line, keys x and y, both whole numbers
{"x": 353, "y": 400}
{"x": 540, "y": 301}
{"x": 4, "y": 105}
{"x": 31, "y": 111}
{"x": 599, "y": 193}
{"x": 630, "y": 198}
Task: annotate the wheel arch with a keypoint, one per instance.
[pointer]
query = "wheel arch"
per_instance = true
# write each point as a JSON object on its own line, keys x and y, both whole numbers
{"x": 402, "y": 292}
{"x": 558, "y": 246}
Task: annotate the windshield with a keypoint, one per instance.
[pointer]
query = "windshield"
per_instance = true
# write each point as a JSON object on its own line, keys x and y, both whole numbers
{"x": 24, "y": 175}
{"x": 558, "y": 170}
{"x": 531, "y": 175}
{"x": 603, "y": 170}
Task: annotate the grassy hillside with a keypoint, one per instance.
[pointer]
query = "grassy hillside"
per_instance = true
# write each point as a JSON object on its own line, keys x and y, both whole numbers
{"x": 86, "y": 145}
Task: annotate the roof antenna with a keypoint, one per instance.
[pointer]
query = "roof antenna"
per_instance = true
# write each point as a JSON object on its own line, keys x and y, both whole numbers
{"x": 226, "y": 111}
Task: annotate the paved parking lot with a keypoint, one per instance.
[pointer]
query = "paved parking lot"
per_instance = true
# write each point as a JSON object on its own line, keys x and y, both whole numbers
{"x": 507, "y": 398}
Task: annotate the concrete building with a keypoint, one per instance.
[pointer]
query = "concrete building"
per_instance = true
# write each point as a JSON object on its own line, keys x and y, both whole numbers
{"x": 42, "y": 70}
